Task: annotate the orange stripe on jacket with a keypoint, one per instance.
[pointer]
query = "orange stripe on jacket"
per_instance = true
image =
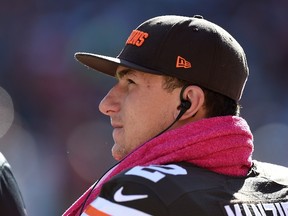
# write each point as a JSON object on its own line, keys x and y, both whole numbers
{"x": 91, "y": 211}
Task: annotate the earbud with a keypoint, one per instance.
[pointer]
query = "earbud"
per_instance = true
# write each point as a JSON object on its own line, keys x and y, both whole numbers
{"x": 185, "y": 105}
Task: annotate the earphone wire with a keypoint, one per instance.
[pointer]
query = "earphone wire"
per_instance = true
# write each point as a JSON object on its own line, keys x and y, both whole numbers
{"x": 183, "y": 109}
{"x": 94, "y": 186}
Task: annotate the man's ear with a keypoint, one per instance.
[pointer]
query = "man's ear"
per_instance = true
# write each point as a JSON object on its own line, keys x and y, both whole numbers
{"x": 193, "y": 102}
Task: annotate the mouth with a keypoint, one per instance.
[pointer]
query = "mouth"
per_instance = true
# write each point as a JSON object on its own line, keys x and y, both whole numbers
{"x": 116, "y": 126}
{"x": 117, "y": 133}
{"x": 117, "y": 129}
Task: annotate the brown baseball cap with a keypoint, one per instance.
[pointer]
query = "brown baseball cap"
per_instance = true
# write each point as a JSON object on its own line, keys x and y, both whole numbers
{"x": 189, "y": 48}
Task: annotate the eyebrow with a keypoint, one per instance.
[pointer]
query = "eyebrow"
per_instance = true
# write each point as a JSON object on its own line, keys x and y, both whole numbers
{"x": 127, "y": 71}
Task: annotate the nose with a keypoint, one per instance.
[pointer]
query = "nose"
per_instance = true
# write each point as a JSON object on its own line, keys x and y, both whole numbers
{"x": 110, "y": 103}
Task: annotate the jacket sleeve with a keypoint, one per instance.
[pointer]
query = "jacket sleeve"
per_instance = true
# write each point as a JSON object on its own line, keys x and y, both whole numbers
{"x": 11, "y": 201}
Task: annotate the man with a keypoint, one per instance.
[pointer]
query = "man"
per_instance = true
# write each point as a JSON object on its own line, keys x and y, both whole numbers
{"x": 11, "y": 201}
{"x": 181, "y": 145}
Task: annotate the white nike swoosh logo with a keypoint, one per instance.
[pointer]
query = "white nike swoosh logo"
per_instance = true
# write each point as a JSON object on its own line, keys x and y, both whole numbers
{"x": 120, "y": 197}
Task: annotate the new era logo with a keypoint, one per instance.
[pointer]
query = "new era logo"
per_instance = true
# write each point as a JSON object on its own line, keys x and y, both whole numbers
{"x": 182, "y": 63}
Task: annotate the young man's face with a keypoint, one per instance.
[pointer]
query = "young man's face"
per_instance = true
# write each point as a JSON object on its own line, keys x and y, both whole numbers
{"x": 139, "y": 108}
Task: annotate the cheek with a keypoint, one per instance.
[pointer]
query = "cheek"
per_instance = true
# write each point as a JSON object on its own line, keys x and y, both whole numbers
{"x": 145, "y": 117}
{"x": 137, "y": 126}
{"x": 146, "y": 123}
{"x": 139, "y": 113}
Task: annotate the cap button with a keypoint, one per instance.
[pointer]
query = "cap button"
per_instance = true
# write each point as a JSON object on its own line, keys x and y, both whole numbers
{"x": 198, "y": 16}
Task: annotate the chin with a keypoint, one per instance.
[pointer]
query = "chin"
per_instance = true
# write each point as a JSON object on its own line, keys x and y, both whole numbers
{"x": 117, "y": 153}
{"x": 117, "y": 157}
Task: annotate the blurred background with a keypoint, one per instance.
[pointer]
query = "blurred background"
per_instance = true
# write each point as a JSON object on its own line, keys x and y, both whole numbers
{"x": 58, "y": 143}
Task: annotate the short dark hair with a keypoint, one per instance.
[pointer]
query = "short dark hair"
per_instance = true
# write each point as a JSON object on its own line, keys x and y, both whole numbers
{"x": 219, "y": 105}
{"x": 215, "y": 103}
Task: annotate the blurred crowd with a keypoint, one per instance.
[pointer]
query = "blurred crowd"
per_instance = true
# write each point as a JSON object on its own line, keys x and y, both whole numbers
{"x": 58, "y": 143}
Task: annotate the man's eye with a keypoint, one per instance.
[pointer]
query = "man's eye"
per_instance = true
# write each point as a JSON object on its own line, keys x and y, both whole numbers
{"x": 129, "y": 81}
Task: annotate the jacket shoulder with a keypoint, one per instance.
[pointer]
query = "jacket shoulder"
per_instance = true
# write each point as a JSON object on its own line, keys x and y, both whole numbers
{"x": 11, "y": 201}
{"x": 273, "y": 172}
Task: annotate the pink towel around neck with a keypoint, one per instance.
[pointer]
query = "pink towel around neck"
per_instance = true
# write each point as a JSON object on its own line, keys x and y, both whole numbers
{"x": 221, "y": 144}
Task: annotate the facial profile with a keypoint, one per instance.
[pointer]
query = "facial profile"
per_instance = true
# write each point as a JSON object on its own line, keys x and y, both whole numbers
{"x": 139, "y": 108}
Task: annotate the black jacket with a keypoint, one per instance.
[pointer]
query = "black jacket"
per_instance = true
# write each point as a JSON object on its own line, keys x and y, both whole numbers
{"x": 184, "y": 189}
{"x": 11, "y": 201}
